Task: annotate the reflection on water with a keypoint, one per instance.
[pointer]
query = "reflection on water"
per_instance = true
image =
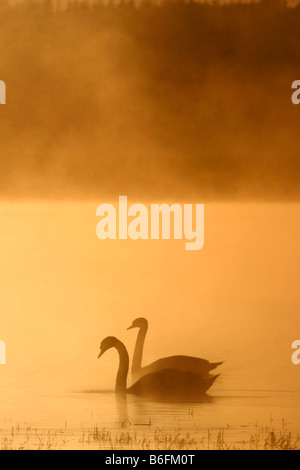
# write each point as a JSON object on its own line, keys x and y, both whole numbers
{"x": 99, "y": 420}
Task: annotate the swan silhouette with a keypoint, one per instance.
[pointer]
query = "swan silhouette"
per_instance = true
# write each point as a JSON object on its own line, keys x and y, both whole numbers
{"x": 165, "y": 385}
{"x": 183, "y": 363}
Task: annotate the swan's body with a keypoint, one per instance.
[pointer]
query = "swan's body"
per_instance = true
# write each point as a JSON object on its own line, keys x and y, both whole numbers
{"x": 172, "y": 384}
{"x": 168, "y": 384}
{"x": 190, "y": 364}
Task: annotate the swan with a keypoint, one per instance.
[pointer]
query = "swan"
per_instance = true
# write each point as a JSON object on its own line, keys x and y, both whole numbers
{"x": 183, "y": 363}
{"x": 167, "y": 384}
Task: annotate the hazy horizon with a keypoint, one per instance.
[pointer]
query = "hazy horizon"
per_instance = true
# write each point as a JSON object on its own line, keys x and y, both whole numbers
{"x": 104, "y": 108}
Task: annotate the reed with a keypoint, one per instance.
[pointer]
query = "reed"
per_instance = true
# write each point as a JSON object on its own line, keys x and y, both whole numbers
{"x": 128, "y": 438}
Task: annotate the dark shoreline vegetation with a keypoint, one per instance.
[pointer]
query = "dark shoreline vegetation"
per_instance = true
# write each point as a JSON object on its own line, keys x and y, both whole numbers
{"x": 128, "y": 437}
{"x": 177, "y": 100}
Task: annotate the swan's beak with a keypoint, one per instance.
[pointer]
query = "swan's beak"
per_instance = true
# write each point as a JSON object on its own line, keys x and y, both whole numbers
{"x": 130, "y": 328}
{"x": 101, "y": 354}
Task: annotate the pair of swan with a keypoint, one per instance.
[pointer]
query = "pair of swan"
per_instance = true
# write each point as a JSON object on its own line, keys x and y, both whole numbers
{"x": 183, "y": 363}
{"x": 172, "y": 378}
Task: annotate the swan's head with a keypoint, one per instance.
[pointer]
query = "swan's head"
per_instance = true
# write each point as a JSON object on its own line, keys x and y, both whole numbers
{"x": 107, "y": 343}
{"x": 139, "y": 323}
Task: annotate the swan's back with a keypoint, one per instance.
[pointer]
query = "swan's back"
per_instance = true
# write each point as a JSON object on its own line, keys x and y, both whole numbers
{"x": 172, "y": 384}
{"x": 190, "y": 364}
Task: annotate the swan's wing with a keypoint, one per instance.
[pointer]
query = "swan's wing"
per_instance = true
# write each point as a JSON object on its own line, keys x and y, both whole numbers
{"x": 214, "y": 365}
{"x": 191, "y": 364}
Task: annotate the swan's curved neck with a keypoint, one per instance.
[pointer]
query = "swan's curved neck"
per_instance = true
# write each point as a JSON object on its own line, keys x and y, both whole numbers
{"x": 121, "y": 381}
{"x": 139, "y": 349}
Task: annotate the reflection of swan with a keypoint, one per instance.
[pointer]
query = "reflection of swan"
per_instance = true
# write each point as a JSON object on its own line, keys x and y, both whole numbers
{"x": 168, "y": 384}
{"x": 183, "y": 363}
